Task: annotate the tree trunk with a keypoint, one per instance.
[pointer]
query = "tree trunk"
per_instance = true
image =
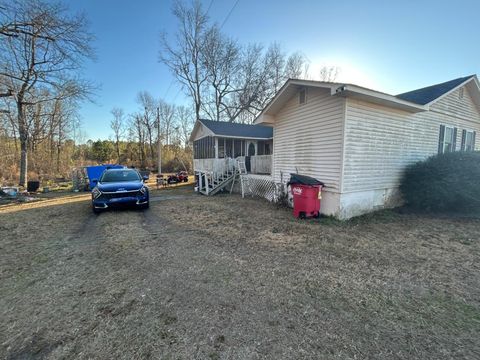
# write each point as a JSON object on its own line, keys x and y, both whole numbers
{"x": 117, "y": 146}
{"x": 23, "y": 160}
{"x": 59, "y": 145}
{"x": 22, "y": 132}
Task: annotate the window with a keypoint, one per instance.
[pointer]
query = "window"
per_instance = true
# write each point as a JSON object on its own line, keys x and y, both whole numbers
{"x": 447, "y": 139}
{"x": 468, "y": 140}
{"x": 302, "y": 96}
{"x": 204, "y": 148}
{"x": 120, "y": 175}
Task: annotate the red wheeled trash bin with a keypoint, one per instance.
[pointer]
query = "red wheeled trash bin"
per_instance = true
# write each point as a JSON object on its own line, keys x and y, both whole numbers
{"x": 307, "y": 193}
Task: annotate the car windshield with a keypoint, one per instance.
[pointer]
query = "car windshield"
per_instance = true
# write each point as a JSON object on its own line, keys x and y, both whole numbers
{"x": 120, "y": 175}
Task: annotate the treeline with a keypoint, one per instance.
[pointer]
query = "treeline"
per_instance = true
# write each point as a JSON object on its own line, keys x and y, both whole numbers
{"x": 59, "y": 145}
{"x": 48, "y": 163}
{"x": 136, "y": 136}
{"x": 175, "y": 157}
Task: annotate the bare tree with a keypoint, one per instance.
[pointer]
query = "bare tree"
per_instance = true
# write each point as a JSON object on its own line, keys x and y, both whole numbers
{"x": 275, "y": 59}
{"x": 167, "y": 112}
{"x": 225, "y": 80}
{"x": 184, "y": 58}
{"x": 137, "y": 129}
{"x": 149, "y": 105}
{"x": 329, "y": 73}
{"x": 44, "y": 54}
{"x": 295, "y": 67}
{"x": 117, "y": 124}
{"x": 185, "y": 121}
{"x": 221, "y": 59}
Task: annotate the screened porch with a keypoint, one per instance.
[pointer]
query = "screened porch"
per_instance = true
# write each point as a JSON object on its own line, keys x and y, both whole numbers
{"x": 211, "y": 153}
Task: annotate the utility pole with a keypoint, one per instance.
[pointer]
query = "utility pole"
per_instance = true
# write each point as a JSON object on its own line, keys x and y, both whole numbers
{"x": 159, "y": 142}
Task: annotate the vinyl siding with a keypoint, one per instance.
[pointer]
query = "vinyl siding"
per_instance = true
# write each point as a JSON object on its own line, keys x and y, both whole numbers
{"x": 380, "y": 141}
{"x": 454, "y": 106}
{"x": 308, "y": 138}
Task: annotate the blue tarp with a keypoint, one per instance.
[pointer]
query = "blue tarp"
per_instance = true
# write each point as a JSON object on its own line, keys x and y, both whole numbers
{"x": 94, "y": 172}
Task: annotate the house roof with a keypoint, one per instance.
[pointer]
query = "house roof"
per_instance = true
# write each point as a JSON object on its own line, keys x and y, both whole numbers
{"x": 413, "y": 101}
{"x": 234, "y": 130}
{"x": 428, "y": 94}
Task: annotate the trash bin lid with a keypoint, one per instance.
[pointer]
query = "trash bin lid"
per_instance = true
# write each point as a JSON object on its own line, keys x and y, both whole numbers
{"x": 304, "y": 180}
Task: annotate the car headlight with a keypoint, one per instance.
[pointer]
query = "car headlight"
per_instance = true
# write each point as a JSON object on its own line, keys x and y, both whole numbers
{"x": 96, "y": 193}
{"x": 143, "y": 190}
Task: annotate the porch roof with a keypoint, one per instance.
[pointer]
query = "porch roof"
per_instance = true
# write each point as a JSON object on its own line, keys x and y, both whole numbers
{"x": 234, "y": 130}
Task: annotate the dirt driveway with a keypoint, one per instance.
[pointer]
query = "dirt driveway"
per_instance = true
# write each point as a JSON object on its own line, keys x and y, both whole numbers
{"x": 225, "y": 278}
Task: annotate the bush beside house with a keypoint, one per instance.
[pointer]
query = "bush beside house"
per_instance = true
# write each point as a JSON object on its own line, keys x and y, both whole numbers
{"x": 444, "y": 183}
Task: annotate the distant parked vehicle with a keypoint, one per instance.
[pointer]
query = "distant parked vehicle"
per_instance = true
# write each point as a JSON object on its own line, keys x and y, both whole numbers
{"x": 181, "y": 176}
{"x": 119, "y": 187}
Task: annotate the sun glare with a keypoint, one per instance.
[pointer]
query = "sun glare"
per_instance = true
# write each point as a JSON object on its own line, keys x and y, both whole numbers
{"x": 347, "y": 73}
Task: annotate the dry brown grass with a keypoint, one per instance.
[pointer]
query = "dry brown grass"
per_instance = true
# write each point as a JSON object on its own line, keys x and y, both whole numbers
{"x": 226, "y": 278}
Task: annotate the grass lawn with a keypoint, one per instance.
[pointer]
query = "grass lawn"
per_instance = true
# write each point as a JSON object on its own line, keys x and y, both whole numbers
{"x": 229, "y": 278}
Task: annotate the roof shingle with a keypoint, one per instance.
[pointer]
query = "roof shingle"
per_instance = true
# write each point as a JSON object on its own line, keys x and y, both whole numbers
{"x": 427, "y": 94}
{"x": 223, "y": 128}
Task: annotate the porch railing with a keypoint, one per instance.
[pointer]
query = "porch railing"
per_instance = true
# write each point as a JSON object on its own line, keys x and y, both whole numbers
{"x": 259, "y": 164}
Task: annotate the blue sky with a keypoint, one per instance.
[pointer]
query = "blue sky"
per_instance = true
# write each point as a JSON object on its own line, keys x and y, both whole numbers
{"x": 391, "y": 46}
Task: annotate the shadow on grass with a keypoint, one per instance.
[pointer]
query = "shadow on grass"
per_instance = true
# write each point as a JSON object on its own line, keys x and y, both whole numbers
{"x": 396, "y": 214}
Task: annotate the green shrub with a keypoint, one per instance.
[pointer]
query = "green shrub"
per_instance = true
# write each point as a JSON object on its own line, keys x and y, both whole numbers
{"x": 444, "y": 183}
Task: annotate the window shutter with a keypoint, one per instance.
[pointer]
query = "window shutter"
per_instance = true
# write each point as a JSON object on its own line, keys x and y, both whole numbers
{"x": 440, "y": 139}
{"x": 454, "y": 144}
{"x": 473, "y": 142}
{"x": 464, "y": 136}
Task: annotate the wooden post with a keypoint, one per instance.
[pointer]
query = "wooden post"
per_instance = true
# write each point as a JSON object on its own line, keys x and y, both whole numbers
{"x": 200, "y": 181}
{"x": 206, "y": 183}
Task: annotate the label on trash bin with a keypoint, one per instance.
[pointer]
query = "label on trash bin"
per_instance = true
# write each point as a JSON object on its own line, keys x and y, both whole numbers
{"x": 297, "y": 191}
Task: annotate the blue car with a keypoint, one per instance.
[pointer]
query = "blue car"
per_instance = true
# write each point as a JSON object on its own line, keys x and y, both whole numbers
{"x": 119, "y": 187}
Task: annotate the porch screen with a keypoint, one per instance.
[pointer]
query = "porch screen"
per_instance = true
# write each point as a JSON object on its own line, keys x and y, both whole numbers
{"x": 204, "y": 148}
{"x": 228, "y": 147}
{"x": 238, "y": 148}
{"x": 264, "y": 148}
{"x": 221, "y": 148}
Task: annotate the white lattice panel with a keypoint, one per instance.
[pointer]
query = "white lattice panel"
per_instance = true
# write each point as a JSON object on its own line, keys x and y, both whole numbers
{"x": 262, "y": 186}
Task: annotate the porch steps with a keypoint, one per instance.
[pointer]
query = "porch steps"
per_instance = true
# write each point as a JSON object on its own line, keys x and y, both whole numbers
{"x": 210, "y": 184}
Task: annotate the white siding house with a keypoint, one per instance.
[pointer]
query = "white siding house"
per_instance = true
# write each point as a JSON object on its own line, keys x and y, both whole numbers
{"x": 359, "y": 141}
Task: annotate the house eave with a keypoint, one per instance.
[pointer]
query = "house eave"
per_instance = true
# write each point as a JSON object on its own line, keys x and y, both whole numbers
{"x": 243, "y": 137}
{"x": 357, "y": 92}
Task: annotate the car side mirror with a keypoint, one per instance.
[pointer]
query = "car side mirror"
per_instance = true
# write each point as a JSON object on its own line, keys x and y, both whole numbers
{"x": 94, "y": 182}
{"x": 145, "y": 178}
